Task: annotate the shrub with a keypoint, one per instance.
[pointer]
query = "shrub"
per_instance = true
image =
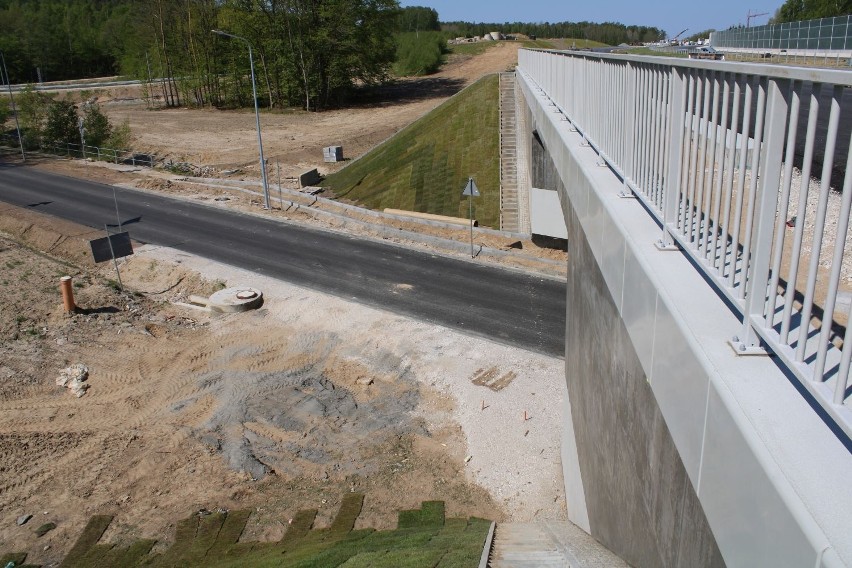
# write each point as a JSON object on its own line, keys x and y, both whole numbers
{"x": 419, "y": 53}
{"x": 96, "y": 123}
{"x": 119, "y": 137}
{"x": 61, "y": 123}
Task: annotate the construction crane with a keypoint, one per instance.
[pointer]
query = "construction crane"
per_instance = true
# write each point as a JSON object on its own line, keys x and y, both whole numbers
{"x": 751, "y": 16}
{"x": 674, "y": 40}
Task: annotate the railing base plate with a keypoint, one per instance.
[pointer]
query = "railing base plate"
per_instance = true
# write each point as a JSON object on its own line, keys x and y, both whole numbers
{"x": 663, "y": 246}
{"x": 742, "y": 349}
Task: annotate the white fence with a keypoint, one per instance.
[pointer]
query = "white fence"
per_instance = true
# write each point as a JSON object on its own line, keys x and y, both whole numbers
{"x": 722, "y": 154}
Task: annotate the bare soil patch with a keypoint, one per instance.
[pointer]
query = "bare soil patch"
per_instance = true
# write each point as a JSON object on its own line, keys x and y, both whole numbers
{"x": 290, "y": 406}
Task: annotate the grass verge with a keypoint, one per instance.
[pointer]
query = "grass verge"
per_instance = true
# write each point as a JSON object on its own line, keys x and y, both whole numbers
{"x": 425, "y": 167}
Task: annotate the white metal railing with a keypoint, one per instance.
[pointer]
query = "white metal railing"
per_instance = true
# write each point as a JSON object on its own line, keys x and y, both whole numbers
{"x": 98, "y": 153}
{"x": 722, "y": 155}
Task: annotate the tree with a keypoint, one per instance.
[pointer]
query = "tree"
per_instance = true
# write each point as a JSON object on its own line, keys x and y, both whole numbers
{"x": 61, "y": 123}
{"x": 4, "y": 110}
{"x": 309, "y": 52}
{"x": 96, "y": 124}
{"x": 32, "y": 109}
{"x": 418, "y": 19}
{"x": 796, "y": 10}
{"x": 700, "y": 35}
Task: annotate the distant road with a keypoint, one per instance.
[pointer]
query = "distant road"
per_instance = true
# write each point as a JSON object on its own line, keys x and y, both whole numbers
{"x": 77, "y": 85}
{"x": 507, "y": 306}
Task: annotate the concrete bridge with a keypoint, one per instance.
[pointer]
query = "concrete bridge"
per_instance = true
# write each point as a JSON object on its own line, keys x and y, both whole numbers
{"x": 708, "y": 418}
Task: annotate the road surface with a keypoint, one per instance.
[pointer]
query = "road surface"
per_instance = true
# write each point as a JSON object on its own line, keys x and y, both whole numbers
{"x": 507, "y": 306}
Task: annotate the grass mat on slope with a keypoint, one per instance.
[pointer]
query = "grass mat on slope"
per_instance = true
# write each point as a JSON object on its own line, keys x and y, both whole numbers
{"x": 425, "y": 167}
{"x": 424, "y": 538}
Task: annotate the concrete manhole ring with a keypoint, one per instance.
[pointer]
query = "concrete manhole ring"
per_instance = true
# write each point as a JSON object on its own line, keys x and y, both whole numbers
{"x": 236, "y": 299}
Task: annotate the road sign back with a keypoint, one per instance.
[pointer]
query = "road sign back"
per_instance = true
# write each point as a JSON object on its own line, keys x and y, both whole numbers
{"x": 121, "y": 247}
{"x": 471, "y": 189}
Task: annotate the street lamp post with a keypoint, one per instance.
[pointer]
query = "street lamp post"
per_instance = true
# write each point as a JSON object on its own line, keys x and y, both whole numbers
{"x": 256, "y": 117}
{"x": 15, "y": 108}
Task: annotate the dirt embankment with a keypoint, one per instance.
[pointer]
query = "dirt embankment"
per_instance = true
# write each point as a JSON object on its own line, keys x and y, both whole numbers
{"x": 186, "y": 411}
{"x": 290, "y": 406}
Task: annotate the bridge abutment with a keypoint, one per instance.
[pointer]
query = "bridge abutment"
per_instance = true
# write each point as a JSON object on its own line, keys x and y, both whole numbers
{"x": 676, "y": 452}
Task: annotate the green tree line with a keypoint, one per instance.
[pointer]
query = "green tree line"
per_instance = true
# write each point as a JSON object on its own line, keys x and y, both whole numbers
{"x": 796, "y": 10}
{"x": 308, "y": 53}
{"x": 46, "y": 120}
{"x": 611, "y": 33}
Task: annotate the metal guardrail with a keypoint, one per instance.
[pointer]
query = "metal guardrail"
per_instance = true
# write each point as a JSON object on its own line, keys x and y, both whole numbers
{"x": 101, "y": 154}
{"x": 92, "y": 152}
{"x": 710, "y": 148}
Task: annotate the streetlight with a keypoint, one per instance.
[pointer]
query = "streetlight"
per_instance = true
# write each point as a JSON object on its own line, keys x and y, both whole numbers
{"x": 12, "y": 100}
{"x": 256, "y": 116}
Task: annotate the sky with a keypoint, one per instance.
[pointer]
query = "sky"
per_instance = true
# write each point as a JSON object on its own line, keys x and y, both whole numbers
{"x": 670, "y": 15}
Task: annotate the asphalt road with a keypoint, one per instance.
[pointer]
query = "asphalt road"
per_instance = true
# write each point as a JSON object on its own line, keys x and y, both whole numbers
{"x": 506, "y": 306}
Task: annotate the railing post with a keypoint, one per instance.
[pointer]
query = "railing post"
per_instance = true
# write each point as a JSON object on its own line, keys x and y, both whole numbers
{"x": 672, "y": 186}
{"x": 630, "y": 128}
{"x": 757, "y": 275}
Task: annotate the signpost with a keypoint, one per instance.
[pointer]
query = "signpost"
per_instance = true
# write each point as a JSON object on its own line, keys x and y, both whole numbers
{"x": 471, "y": 191}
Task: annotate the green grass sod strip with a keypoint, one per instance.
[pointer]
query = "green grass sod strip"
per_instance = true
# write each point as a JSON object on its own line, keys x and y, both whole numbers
{"x": 451, "y": 535}
{"x": 350, "y": 508}
{"x": 425, "y": 539}
{"x": 205, "y": 537}
{"x": 302, "y": 523}
{"x": 408, "y": 519}
{"x": 98, "y": 555}
{"x": 395, "y": 559}
{"x": 132, "y": 555}
{"x": 432, "y": 513}
{"x": 399, "y": 539}
{"x": 93, "y": 532}
{"x": 179, "y": 553}
{"x": 230, "y": 533}
{"x": 467, "y": 549}
{"x": 425, "y": 167}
